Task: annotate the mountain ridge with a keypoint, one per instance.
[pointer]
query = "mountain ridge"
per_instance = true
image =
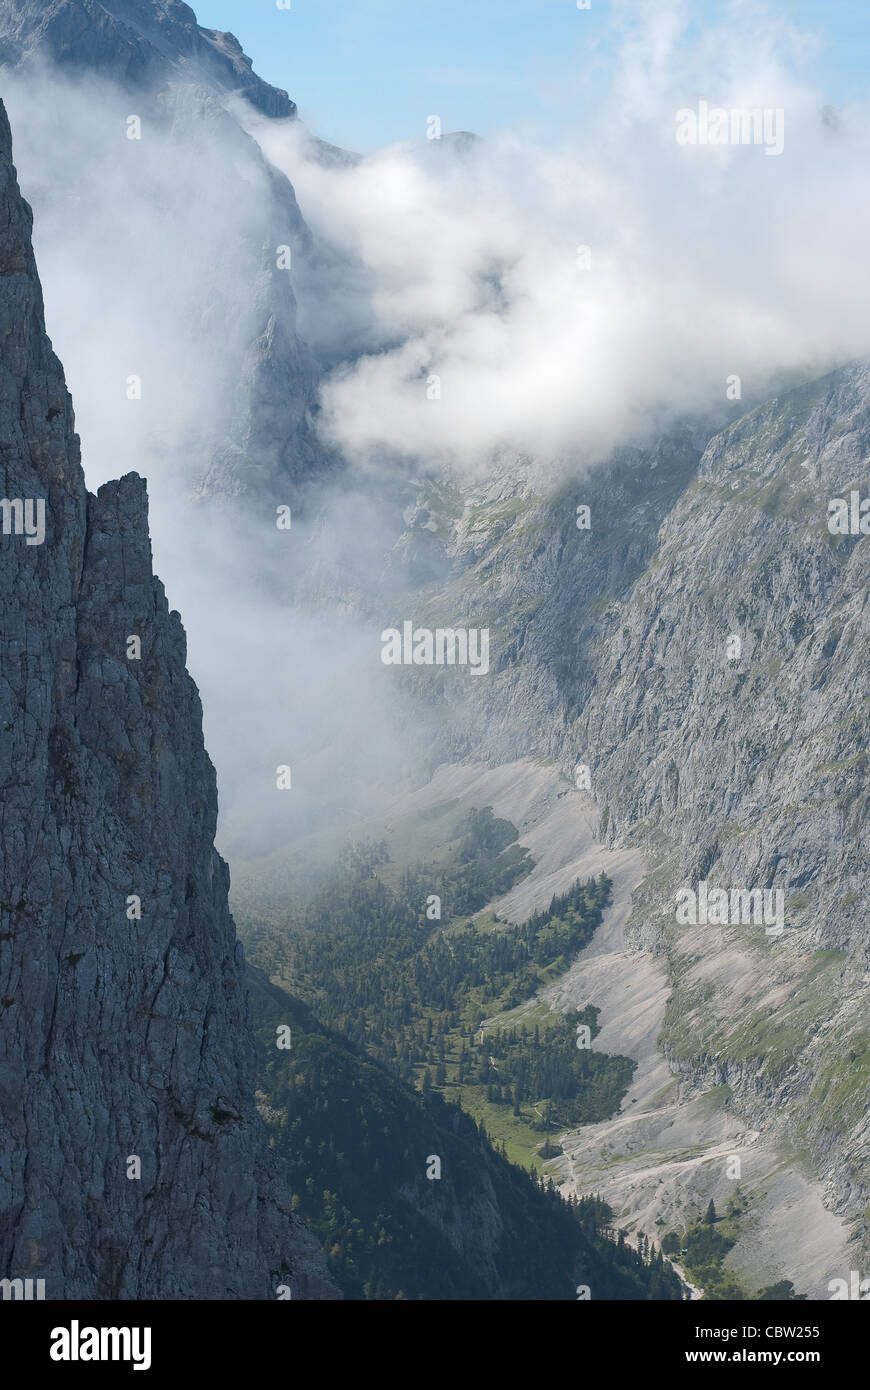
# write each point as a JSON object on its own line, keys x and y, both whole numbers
{"x": 143, "y": 41}
{"x": 134, "y": 1163}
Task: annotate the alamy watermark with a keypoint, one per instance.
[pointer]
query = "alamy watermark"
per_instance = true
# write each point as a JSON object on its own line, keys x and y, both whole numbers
{"x": 719, "y": 906}
{"x": 24, "y": 517}
{"x": 716, "y": 125}
{"x": 23, "y": 1290}
{"x": 854, "y": 1289}
{"x": 445, "y": 646}
{"x": 849, "y": 518}
{"x": 76, "y": 1343}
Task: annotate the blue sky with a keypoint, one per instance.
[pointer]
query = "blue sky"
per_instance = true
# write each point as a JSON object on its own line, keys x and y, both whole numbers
{"x": 365, "y": 72}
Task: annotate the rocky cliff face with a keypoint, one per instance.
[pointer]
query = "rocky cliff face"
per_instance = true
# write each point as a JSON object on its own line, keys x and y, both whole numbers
{"x": 148, "y": 43}
{"x": 727, "y": 730}
{"x": 702, "y": 650}
{"x": 615, "y": 646}
{"x": 131, "y": 1156}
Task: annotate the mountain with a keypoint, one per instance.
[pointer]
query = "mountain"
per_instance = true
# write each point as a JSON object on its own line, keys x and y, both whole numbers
{"x": 148, "y": 45}
{"x": 183, "y": 81}
{"x": 746, "y": 769}
{"x": 134, "y": 1163}
{"x": 701, "y": 649}
{"x": 359, "y": 1146}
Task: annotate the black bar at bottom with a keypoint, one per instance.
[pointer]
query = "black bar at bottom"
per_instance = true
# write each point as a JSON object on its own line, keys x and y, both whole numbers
{"x": 268, "y": 1338}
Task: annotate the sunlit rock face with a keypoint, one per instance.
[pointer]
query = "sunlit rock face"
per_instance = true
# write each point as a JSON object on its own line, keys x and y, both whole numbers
{"x": 149, "y": 41}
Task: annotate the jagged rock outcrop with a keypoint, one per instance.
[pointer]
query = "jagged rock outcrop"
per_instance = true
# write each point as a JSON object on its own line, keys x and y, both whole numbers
{"x": 119, "y": 1035}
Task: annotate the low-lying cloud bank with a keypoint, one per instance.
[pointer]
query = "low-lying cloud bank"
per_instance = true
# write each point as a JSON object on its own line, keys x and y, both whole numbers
{"x": 566, "y": 299}
{"x": 471, "y": 303}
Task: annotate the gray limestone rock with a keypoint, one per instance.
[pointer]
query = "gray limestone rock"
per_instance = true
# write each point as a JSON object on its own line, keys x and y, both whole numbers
{"x": 119, "y": 1036}
{"x": 703, "y": 650}
{"x": 141, "y": 41}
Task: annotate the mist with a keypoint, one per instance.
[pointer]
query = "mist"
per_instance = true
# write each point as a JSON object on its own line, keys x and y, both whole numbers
{"x": 567, "y": 297}
{"x": 467, "y": 306}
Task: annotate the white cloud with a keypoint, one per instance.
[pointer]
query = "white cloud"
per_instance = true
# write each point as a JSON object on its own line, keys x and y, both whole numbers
{"x": 705, "y": 261}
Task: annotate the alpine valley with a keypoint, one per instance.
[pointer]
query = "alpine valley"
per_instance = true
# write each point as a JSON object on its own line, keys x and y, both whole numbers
{"x": 457, "y": 1026}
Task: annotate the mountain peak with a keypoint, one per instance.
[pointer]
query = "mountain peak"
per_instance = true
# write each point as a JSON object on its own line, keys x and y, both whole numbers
{"x": 125, "y": 1048}
{"x": 150, "y": 41}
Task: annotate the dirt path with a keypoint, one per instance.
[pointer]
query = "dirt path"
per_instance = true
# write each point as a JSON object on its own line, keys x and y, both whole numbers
{"x": 693, "y": 1289}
